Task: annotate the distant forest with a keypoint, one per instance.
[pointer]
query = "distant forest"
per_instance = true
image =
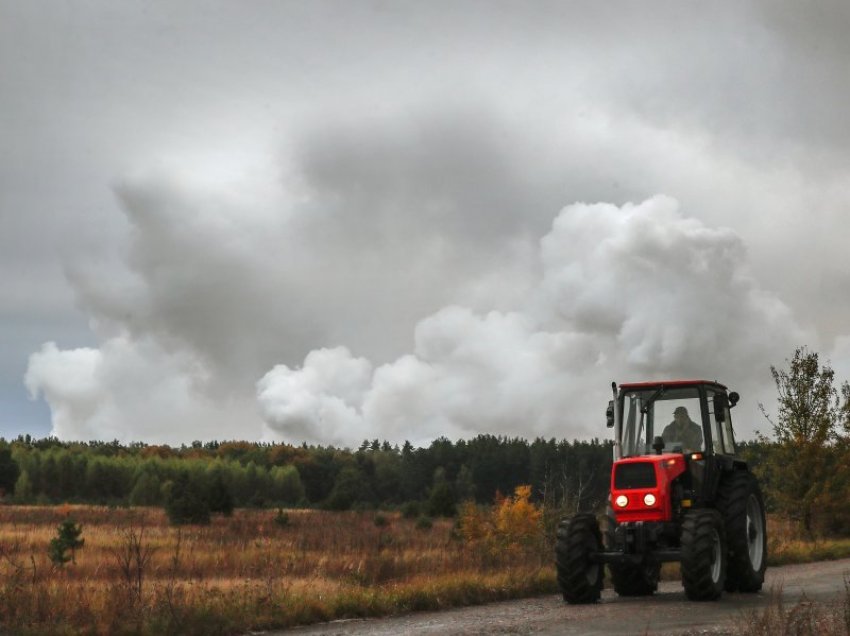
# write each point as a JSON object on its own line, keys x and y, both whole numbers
{"x": 570, "y": 475}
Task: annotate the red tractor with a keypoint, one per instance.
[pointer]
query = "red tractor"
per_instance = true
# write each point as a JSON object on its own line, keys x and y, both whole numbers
{"x": 678, "y": 493}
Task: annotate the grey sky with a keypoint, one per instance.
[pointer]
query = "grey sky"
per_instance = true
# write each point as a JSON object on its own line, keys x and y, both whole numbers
{"x": 194, "y": 196}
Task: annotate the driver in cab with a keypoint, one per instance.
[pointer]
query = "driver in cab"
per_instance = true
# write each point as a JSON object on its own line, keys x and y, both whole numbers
{"x": 682, "y": 430}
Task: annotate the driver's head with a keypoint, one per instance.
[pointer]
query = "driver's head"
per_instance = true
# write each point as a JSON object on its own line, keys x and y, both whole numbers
{"x": 681, "y": 415}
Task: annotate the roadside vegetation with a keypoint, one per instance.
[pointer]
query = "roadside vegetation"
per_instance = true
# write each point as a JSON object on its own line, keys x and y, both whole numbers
{"x": 138, "y": 574}
{"x": 805, "y": 468}
{"x": 787, "y": 544}
{"x": 802, "y": 618}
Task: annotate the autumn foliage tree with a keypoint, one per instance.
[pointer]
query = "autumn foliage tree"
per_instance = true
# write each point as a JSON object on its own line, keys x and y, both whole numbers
{"x": 806, "y": 474}
{"x": 513, "y": 524}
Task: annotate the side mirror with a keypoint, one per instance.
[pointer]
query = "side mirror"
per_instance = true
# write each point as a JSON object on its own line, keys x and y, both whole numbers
{"x": 733, "y": 399}
{"x": 609, "y": 414}
{"x": 658, "y": 444}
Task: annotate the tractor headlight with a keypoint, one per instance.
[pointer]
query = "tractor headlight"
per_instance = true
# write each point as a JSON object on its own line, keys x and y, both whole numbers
{"x": 622, "y": 501}
{"x": 649, "y": 499}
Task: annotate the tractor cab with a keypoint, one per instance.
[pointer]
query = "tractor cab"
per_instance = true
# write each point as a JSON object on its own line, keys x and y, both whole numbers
{"x": 679, "y": 416}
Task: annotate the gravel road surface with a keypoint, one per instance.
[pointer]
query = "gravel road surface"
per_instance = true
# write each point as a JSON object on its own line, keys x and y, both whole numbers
{"x": 668, "y": 612}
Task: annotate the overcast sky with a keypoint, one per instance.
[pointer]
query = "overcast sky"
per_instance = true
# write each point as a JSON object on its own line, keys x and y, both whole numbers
{"x": 329, "y": 221}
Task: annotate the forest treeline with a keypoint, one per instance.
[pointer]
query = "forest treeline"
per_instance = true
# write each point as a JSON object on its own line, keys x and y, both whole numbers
{"x": 49, "y": 471}
{"x": 570, "y": 475}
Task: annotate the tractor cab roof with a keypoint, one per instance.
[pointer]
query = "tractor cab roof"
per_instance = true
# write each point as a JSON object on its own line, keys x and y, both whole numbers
{"x": 637, "y": 386}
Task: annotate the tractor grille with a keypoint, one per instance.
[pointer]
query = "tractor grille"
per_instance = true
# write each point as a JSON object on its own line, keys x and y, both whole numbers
{"x": 640, "y": 475}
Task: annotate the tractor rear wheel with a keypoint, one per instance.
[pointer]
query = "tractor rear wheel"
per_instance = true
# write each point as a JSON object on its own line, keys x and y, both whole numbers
{"x": 740, "y": 502}
{"x": 703, "y": 555}
{"x": 629, "y": 579}
{"x": 579, "y": 575}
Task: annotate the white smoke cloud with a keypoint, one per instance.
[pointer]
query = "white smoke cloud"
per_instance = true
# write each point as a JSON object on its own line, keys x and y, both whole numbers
{"x": 671, "y": 294}
{"x": 468, "y": 374}
{"x": 637, "y": 292}
{"x": 321, "y": 400}
{"x": 133, "y": 390}
{"x": 68, "y": 380}
{"x": 231, "y": 266}
{"x": 279, "y": 302}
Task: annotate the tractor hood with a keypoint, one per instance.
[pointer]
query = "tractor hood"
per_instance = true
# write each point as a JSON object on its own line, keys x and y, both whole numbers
{"x": 641, "y": 487}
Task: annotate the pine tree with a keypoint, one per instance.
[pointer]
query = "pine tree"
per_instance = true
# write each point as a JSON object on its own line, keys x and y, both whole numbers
{"x": 186, "y": 503}
{"x": 219, "y": 496}
{"x": 67, "y": 538}
{"x": 9, "y": 470}
{"x": 442, "y": 501}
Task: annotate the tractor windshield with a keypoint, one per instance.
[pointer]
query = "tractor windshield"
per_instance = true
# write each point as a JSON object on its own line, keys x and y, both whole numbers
{"x": 673, "y": 414}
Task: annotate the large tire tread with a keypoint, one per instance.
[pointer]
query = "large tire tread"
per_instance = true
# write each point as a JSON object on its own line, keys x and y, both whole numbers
{"x": 732, "y": 497}
{"x": 578, "y": 540}
{"x": 698, "y": 554}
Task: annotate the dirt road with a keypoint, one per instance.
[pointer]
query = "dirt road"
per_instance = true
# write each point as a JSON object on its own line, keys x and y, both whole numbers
{"x": 668, "y": 612}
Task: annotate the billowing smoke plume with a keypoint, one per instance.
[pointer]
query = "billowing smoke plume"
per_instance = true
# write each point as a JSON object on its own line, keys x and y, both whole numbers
{"x": 632, "y": 292}
{"x": 133, "y": 390}
{"x": 372, "y": 294}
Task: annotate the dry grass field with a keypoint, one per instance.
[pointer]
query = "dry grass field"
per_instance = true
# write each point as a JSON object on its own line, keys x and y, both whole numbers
{"x": 137, "y": 575}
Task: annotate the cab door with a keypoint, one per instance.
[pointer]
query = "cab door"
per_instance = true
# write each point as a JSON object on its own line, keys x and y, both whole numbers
{"x": 716, "y": 411}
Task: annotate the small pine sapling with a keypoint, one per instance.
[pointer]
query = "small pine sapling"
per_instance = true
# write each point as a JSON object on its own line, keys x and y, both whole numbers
{"x": 67, "y": 539}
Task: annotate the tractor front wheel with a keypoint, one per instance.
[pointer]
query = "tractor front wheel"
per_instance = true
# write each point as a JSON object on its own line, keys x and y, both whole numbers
{"x": 740, "y": 502}
{"x": 703, "y": 555}
{"x": 579, "y": 574}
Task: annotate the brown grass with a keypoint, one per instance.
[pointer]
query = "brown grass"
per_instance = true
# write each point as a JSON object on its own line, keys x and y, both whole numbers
{"x": 802, "y": 618}
{"x": 787, "y": 544}
{"x": 136, "y": 574}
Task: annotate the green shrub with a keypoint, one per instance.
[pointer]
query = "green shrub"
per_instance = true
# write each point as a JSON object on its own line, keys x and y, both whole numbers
{"x": 147, "y": 490}
{"x": 411, "y": 510}
{"x": 381, "y": 520}
{"x": 219, "y": 497}
{"x": 351, "y": 490}
{"x": 442, "y": 501}
{"x": 67, "y": 538}
{"x": 281, "y": 519}
{"x": 186, "y": 502}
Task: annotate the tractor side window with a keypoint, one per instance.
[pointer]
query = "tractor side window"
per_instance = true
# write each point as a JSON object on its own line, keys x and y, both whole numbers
{"x": 631, "y": 440}
{"x": 716, "y": 424}
{"x": 729, "y": 435}
{"x": 721, "y": 423}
